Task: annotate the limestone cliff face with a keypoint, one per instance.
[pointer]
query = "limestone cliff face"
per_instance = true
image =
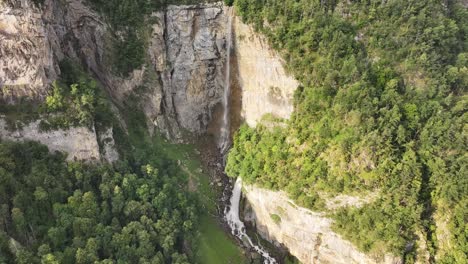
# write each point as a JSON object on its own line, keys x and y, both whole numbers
{"x": 183, "y": 77}
{"x": 80, "y": 143}
{"x": 33, "y": 40}
{"x": 306, "y": 234}
{"x": 26, "y": 65}
{"x": 188, "y": 53}
{"x": 266, "y": 87}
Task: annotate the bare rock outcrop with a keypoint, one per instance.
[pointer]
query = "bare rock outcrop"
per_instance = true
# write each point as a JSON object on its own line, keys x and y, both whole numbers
{"x": 186, "y": 54}
{"x": 266, "y": 86}
{"x": 80, "y": 143}
{"x": 187, "y": 51}
{"x": 108, "y": 148}
{"x": 307, "y": 235}
{"x": 26, "y": 65}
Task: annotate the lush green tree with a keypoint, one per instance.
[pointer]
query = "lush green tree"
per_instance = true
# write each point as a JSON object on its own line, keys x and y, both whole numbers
{"x": 59, "y": 212}
{"x": 380, "y": 109}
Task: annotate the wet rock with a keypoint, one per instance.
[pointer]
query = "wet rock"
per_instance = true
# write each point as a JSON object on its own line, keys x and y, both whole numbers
{"x": 108, "y": 151}
{"x": 193, "y": 76}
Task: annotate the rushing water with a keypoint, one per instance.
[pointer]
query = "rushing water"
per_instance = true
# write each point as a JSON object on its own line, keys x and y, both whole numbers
{"x": 225, "y": 126}
{"x": 238, "y": 227}
{"x": 232, "y": 215}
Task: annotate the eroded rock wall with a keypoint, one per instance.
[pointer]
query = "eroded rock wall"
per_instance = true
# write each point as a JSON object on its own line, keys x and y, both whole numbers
{"x": 26, "y": 58}
{"x": 183, "y": 77}
{"x": 33, "y": 40}
{"x": 266, "y": 86}
{"x": 188, "y": 52}
{"x": 79, "y": 142}
{"x": 307, "y": 235}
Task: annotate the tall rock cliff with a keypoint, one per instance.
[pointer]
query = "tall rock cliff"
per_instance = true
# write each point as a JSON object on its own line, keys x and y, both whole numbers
{"x": 188, "y": 53}
{"x": 183, "y": 73}
{"x": 266, "y": 86}
{"x": 307, "y": 235}
{"x": 27, "y": 65}
{"x": 79, "y": 143}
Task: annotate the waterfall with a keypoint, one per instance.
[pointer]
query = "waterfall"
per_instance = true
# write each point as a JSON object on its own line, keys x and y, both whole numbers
{"x": 238, "y": 227}
{"x": 232, "y": 215}
{"x": 225, "y": 125}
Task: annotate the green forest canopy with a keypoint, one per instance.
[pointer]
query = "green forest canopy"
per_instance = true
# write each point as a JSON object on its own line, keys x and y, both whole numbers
{"x": 382, "y": 107}
{"x": 52, "y": 211}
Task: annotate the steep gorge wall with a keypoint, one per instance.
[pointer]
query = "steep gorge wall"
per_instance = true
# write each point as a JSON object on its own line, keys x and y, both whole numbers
{"x": 267, "y": 88}
{"x": 182, "y": 77}
{"x": 307, "y": 235}
{"x": 188, "y": 52}
{"x": 80, "y": 143}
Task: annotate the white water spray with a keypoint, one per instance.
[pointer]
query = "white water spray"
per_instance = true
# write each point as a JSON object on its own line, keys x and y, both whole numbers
{"x": 225, "y": 125}
{"x": 238, "y": 227}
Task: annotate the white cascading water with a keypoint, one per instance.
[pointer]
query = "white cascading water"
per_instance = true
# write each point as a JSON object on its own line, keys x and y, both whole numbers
{"x": 224, "y": 133}
{"x": 232, "y": 215}
{"x": 238, "y": 227}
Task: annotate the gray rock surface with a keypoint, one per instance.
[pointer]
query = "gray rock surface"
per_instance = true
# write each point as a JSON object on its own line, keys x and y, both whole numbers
{"x": 187, "y": 51}
{"x": 26, "y": 58}
{"x": 183, "y": 80}
{"x": 307, "y": 235}
{"x": 108, "y": 149}
{"x": 79, "y": 142}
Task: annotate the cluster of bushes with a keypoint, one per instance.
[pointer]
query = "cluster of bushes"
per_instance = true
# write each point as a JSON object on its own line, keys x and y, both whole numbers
{"x": 382, "y": 107}
{"x": 76, "y": 99}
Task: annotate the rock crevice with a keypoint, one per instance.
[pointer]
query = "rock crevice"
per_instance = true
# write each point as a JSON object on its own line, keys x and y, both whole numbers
{"x": 183, "y": 76}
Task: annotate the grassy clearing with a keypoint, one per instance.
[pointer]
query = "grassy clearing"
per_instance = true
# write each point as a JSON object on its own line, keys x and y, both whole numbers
{"x": 214, "y": 246}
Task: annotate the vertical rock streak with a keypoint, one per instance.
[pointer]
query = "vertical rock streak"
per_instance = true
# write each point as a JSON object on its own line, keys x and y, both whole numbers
{"x": 224, "y": 133}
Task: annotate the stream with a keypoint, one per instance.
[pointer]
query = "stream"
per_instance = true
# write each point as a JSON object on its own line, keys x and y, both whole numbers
{"x": 237, "y": 226}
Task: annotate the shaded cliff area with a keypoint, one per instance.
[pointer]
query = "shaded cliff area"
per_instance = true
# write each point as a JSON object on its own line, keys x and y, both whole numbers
{"x": 178, "y": 84}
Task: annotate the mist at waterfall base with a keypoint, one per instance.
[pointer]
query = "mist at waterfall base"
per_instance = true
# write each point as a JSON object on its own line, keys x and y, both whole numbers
{"x": 232, "y": 215}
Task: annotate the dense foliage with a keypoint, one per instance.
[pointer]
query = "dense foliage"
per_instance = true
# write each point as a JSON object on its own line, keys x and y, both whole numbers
{"x": 58, "y": 212}
{"x": 382, "y": 108}
{"x": 75, "y": 100}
